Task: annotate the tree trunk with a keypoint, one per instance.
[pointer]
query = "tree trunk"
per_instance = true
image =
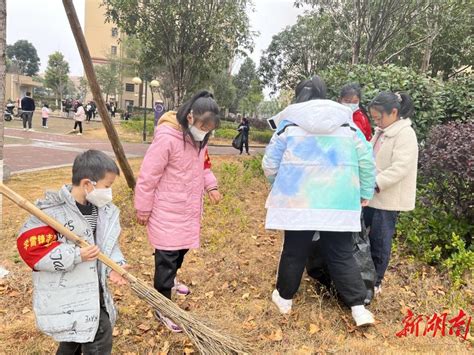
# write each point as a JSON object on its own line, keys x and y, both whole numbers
{"x": 97, "y": 94}
{"x": 433, "y": 26}
{"x": 358, "y": 29}
{"x": 356, "y": 51}
{"x": 425, "y": 64}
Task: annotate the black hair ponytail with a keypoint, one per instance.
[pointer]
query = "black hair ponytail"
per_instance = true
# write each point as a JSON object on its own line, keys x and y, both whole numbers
{"x": 201, "y": 103}
{"x": 386, "y": 101}
{"x": 311, "y": 89}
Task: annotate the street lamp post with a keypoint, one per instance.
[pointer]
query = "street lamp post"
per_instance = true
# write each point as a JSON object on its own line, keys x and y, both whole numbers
{"x": 138, "y": 81}
{"x": 154, "y": 84}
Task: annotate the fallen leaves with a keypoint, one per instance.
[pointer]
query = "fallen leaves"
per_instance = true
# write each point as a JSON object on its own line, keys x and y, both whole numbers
{"x": 313, "y": 328}
{"x": 144, "y": 327}
{"x": 276, "y": 335}
{"x": 370, "y": 336}
{"x": 165, "y": 349}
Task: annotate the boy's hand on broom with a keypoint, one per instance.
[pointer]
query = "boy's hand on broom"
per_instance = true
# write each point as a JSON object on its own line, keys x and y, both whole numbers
{"x": 142, "y": 217}
{"x": 116, "y": 278}
{"x": 215, "y": 196}
{"x": 90, "y": 253}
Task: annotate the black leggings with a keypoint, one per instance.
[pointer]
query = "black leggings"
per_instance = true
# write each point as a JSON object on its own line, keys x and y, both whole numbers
{"x": 78, "y": 124}
{"x": 245, "y": 141}
{"x": 167, "y": 263}
{"x": 337, "y": 250}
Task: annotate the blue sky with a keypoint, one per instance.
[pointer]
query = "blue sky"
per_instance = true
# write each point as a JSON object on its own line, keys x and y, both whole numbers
{"x": 44, "y": 23}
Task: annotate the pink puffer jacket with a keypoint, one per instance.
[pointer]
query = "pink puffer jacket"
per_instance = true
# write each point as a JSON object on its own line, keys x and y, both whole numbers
{"x": 171, "y": 186}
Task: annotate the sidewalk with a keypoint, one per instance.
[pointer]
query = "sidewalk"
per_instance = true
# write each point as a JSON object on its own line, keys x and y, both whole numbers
{"x": 41, "y": 149}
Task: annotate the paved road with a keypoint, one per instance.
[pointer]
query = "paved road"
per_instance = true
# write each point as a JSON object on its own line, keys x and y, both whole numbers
{"x": 41, "y": 150}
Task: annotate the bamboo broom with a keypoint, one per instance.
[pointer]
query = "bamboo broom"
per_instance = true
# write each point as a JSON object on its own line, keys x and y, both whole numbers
{"x": 206, "y": 340}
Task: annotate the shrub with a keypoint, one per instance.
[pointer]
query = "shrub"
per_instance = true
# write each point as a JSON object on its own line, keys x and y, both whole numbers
{"x": 438, "y": 237}
{"x": 458, "y": 99}
{"x": 261, "y": 136}
{"x": 226, "y": 133}
{"x": 136, "y": 125}
{"x": 254, "y": 135}
{"x": 446, "y": 161}
{"x": 439, "y": 231}
{"x": 435, "y": 101}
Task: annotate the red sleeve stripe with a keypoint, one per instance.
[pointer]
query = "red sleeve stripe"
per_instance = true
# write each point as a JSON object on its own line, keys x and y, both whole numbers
{"x": 35, "y": 243}
{"x": 207, "y": 160}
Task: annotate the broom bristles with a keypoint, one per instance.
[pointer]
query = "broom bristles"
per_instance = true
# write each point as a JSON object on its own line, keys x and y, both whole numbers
{"x": 207, "y": 340}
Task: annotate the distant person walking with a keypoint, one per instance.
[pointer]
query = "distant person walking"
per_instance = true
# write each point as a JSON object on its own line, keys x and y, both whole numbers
{"x": 28, "y": 108}
{"x": 45, "y": 111}
{"x": 79, "y": 117}
{"x": 244, "y": 128}
{"x": 112, "y": 109}
{"x": 88, "y": 112}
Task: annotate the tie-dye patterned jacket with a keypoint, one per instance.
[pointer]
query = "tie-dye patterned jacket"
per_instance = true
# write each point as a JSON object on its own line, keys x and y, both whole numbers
{"x": 321, "y": 167}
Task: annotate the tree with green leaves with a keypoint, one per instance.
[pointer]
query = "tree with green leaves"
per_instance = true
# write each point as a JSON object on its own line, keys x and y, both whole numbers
{"x": 242, "y": 80}
{"x": 224, "y": 90}
{"x": 187, "y": 40}
{"x": 370, "y": 26}
{"x": 249, "y": 104}
{"x": 56, "y": 77}
{"x": 300, "y": 51}
{"x": 109, "y": 77}
{"x": 83, "y": 87}
{"x": 446, "y": 32}
{"x": 23, "y": 58}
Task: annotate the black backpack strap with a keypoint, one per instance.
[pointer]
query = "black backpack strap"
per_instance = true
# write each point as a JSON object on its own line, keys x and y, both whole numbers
{"x": 284, "y": 128}
{"x": 348, "y": 125}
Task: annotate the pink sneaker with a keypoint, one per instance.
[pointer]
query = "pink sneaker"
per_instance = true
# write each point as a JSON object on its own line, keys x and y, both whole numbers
{"x": 168, "y": 323}
{"x": 180, "y": 289}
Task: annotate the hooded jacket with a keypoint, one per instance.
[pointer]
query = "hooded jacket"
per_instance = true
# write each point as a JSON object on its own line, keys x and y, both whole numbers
{"x": 171, "y": 186}
{"x": 66, "y": 289}
{"x": 321, "y": 165}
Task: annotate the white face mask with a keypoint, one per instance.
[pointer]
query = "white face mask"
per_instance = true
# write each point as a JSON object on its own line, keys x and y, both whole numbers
{"x": 353, "y": 107}
{"x": 197, "y": 134}
{"x": 99, "y": 197}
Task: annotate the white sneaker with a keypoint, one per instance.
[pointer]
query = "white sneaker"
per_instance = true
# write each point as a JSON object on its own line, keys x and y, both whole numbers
{"x": 283, "y": 305}
{"x": 79, "y": 134}
{"x": 24, "y": 129}
{"x": 377, "y": 290}
{"x": 31, "y": 130}
{"x": 362, "y": 316}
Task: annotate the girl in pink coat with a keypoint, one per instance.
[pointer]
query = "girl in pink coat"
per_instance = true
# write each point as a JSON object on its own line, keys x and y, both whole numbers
{"x": 171, "y": 186}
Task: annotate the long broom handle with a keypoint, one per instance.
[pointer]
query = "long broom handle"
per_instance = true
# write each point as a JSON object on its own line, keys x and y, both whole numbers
{"x": 35, "y": 211}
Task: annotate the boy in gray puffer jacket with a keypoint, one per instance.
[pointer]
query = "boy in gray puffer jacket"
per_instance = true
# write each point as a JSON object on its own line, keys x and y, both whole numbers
{"x": 71, "y": 300}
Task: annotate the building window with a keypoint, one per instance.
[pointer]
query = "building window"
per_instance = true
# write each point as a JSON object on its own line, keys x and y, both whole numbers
{"x": 129, "y": 87}
{"x": 113, "y": 50}
{"x": 114, "y": 32}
